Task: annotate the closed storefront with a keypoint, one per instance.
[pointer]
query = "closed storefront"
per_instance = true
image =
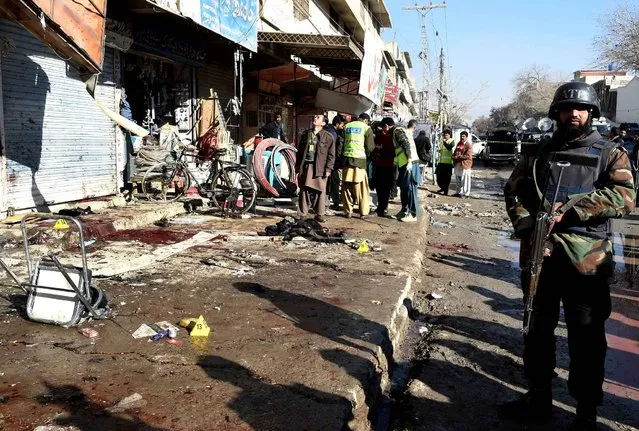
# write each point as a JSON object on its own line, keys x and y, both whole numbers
{"x": 220, "y": 77}
{"x": 59, "y": 146}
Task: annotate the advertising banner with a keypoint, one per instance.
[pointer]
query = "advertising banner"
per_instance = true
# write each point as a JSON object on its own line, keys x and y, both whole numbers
{"x": 370, "y": 76}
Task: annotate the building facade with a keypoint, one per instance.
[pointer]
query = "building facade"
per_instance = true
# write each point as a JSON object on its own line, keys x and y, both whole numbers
{"x": 164, "y": 64}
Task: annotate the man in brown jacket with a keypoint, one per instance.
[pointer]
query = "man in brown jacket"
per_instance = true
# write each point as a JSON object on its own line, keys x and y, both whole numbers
{"x": 463, "y": 160}
{"x": 314, "y": 162}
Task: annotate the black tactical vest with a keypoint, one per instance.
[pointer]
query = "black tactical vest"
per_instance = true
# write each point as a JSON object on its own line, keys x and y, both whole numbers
{"x": 587, "y": 164}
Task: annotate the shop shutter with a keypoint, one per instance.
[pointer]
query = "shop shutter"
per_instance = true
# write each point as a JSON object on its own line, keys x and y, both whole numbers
{"x": 59, "y": 146}
{"x": 219, "y": 77}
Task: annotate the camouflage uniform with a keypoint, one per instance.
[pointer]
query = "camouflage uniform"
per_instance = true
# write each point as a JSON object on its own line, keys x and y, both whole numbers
{"x": 577, "y": 271}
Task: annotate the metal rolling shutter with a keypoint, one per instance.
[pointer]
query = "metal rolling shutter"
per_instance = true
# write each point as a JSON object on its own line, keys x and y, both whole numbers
{"x": 219, "y": 77}
{"x": 59, "y": 146}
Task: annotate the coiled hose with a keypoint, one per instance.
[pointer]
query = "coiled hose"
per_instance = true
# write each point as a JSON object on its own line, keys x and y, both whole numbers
{"x": 259, "y": 167}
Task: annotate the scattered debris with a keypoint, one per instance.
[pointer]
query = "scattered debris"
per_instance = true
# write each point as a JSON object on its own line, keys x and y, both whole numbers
{"x": 75, "y": 212}
{"x": 89, "y": 242}
{"x": 489, "y": 214}
{"x": 55, "y": 428}
{"x": 192, "y": 205}
{"x": 174, "y": 342}
{"x": 144, "y": 331}
{"x": 433, "y": 296}
{"x": 441, "y": 224}
{"x": 290, "y": 227}
{"x": 163, "y": 222}
{"x": 89, "y": 332}
{"x": 219, "y": 262}
{"x": 188, "y": 220}
{"x": 134, "y": 401}
{"x": 423, "y": 330}
{"x": 160, "y": 335}
{"x": 462, "y": 246}
{"x": 168, "y": 326}
{"x": 376, "y": 302}
{"x": 37, "y": 238}
{"x": 188, "y": 323}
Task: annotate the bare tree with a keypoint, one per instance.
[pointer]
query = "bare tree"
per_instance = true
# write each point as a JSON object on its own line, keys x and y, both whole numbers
{"x": 534, "y": 90}
{"x": 618, "y": 41}
{"x": 482, "y": 125}
{"x": 458, "y": 109}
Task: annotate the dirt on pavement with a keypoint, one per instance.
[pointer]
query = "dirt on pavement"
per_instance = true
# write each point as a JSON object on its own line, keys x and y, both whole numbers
{"x": 302, "y": 331}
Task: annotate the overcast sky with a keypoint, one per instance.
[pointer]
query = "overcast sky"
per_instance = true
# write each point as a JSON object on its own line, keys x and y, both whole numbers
{"x": 488, "y": 41}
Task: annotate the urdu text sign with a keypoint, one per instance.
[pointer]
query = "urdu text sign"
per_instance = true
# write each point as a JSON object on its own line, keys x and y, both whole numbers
{"x": 237, "y": 20}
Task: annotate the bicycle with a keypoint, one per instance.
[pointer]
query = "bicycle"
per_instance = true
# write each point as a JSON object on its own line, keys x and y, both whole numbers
{"x": 228, "y": 186}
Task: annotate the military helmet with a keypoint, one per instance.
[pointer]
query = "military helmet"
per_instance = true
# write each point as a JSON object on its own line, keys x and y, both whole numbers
{"x": 574, "y": 93}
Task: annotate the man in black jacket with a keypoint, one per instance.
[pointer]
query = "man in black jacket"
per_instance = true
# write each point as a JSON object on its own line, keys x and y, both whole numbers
{"x": 336, "y": 129}
{"x": 274, "y": 129}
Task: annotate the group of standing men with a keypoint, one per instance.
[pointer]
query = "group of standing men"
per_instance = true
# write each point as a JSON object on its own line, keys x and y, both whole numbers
{"x": 345, "y": 160}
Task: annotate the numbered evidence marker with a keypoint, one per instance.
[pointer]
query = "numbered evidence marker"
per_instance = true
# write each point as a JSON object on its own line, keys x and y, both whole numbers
{"x": 61, "y": 224}
{"x": 201, "y": 328}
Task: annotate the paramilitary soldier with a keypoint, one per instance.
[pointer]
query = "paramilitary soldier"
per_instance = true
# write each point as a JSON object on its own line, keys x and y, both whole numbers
{"x": 595, "y": 188}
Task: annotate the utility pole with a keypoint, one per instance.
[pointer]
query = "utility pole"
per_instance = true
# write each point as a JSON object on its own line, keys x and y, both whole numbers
{"x": 424, "y": 56}
{"x": 443, "y": 97}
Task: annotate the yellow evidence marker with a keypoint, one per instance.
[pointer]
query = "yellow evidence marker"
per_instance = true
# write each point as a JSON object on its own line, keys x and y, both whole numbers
{"x": 201, "y": 328}
{"x": 61, "y": 224}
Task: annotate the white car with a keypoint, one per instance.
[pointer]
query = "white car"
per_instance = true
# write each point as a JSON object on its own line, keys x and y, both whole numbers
{"x": 478, "y": 146}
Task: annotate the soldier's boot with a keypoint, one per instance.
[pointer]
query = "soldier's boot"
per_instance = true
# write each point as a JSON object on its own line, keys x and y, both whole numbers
{"x": 586, "y": 419}
{"x": 534, "y": 407}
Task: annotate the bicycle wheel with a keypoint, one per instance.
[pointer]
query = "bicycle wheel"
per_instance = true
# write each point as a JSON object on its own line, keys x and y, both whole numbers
{"x": 233, "y": 190}
{"x": 165, "y": 182}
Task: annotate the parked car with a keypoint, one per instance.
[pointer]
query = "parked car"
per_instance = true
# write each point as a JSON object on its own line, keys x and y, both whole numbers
{"x": 502, "y": 144}
{"x": 479, "y": 145}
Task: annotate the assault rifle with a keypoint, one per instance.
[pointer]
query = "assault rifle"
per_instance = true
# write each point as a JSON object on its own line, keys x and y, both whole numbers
{"x": 540, "y": 234}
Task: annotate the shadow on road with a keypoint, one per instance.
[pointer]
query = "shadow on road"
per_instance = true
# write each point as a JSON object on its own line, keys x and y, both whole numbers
{"x": 492, "y": 267}
{"x": 86, "y": 414}
{"x": 264, "y": 405}
{"x": 329, "y": 321}
{"x": 338, "y": 325}
{"x": 463, "y": 352}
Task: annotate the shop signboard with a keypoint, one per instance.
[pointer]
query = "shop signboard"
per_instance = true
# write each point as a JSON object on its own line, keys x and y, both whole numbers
{"x": 371, "y": 75}
{"x": 236, "y": 20}
{"x": 392, "y": 94}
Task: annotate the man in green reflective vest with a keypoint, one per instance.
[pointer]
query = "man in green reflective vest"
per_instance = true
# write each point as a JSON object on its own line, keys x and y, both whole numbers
{"x": 358, "y": 145}
{"x": 444, "y": 170}
{"x": 407, "y": 161}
